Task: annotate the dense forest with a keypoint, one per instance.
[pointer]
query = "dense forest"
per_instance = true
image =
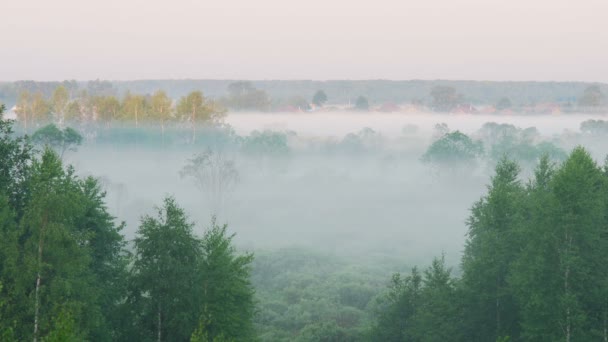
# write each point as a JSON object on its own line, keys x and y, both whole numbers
{"x": 531, "y": 270}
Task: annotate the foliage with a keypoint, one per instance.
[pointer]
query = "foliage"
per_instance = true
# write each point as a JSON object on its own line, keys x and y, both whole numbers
{"x": 266, "y": 143}
{"x": 59, "y": 140}
{"x": 243, "y": 95}
{"x": 319, "y": 98}
{"x": 592, "y": 97}
{"x": 163, "y": 282}
{"x": 594, "y": 127}
{"x": 453, "y": 151}
{"x": 215, "y": 174}
{"x": 504, "y": 103}
{"x": 196, "y": 109}
{"x": 444, "y": 98}
{"x": 227, "y": 303}
{"x": 362, "y": 104}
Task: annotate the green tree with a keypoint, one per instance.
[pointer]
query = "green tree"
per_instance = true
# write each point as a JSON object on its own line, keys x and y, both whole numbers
{"x": 227, "y": 300}
{"x": 398, "y": 308}
{"x": 196, "y": 109}
{"x": 494, "y": 223}
{"x": 444, "y": 98}
{"x": 504, "y": 103}
{"x": 362, "y": 104}
{"x": 165, "y": 275}
{"x": 319, "y": 98}
{"x": 594, "y": 127}
{"x": 108, "y": 259}
{"x": 438, "y": 317}
{"x": 61, "y": 256}
{"x": 453, "y": 151}
{"x": 592, "y": 97}
{"x": 243, "y": 95}
{"x": 15, "y": 156}
{"x": 57, "y": 139}
{"x": 560, "y": 276}
{"x": 52, "y": 271}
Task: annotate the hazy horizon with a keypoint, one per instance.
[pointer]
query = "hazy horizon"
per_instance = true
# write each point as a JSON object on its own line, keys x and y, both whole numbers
{"x": 270, "y": 39}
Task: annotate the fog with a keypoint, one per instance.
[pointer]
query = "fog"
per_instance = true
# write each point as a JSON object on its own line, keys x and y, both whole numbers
{"x": 373, "y": 199}
{"x": 391, "y": 124}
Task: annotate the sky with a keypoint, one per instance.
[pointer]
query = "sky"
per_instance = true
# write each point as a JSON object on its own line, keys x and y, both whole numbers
{"x": 541, "y": 40}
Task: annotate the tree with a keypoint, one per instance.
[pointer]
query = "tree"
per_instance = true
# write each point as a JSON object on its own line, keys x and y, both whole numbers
{"x": 40, "y": 108}
{"x": 444, "y": 98}
{"x": 73, "y": 112}
{"x": 108, "y": 259}
{"x": 100, "y": 88}
{"x": 214, "y": 174}
{"x": 298, "y": 102}
{"x": 165, "y": 276}
{"x": 107, "y": 108}
{"x": 243, "y": 95}
{"x": 494, "y": 225}
{"x": 319, "y": 98}
{"x": 133, "y": 108}
{"x": 24, "y": 108}
{"x": 196, "y": 109}
{"x": 592, "y": 97}
{"x": 400, "y": 305}
{"x": 504, "y": 103}
{"x": 453, "y": 151}
{"x": 227, "y": 294}
{"x": 57, "y": 139}
{"x": 362, "y": 104}
{"x": 420, "y": 307}
{"x": 59, "y": 103}
{"x": 594, "y": 127}
{"x": 560, "y": 276}
{"x": 51, "y": 276}
{"x": 160, "y": 110}
{"x": 437, "y": 318}
{"x": 15, "y": 156}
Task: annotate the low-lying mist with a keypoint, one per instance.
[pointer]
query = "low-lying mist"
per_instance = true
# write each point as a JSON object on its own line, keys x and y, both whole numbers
{"x": 351, "y": 184}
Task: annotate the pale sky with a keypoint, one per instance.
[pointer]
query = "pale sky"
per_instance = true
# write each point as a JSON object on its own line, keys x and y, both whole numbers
{"x": 560, "y": 40}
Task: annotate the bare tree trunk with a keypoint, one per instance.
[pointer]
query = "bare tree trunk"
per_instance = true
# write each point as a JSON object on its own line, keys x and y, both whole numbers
{"x": 159, "y": 335}
{"x": 193, "y": 127}
{"x": 162, "y": 133}
{"x": 567, "y": 289}
{"x": 605, "y": 326}
{"x": 39, "y": 278}
{"x": 497, "y": 316}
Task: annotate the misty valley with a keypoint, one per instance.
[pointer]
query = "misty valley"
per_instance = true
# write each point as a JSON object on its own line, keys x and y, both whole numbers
{"x": 154, "y": 219}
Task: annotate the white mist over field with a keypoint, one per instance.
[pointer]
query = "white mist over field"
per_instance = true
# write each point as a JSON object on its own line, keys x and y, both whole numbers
{"x": 382, "y": 202}
{"x": 392, "y": 124}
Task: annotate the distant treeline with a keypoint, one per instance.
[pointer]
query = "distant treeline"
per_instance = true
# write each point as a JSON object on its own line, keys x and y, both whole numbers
{"x": 285, "y": 95}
